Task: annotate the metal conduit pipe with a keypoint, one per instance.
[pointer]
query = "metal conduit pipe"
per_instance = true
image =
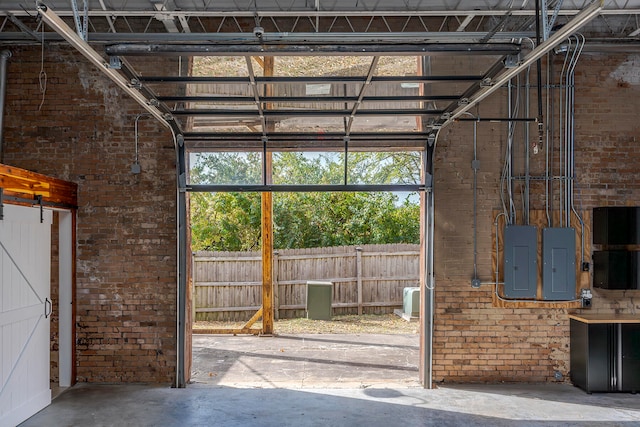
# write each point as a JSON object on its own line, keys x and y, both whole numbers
{"x": 569, "y": 121}
{"x": 580, "y": 45}
{"x": 569, "y": 130}
{"x": 527, "y": 145}
{"x": 562, "y": 139}
{"x": 4, "y": 59}
{"x": 548, "y": 130}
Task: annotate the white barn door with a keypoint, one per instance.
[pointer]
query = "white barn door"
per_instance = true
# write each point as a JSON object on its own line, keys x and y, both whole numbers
{"x": 25, "y": 306}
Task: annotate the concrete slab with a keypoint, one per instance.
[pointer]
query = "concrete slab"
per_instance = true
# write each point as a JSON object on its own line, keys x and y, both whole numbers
{"x": 206, "y": 405}
{"x": 306, "y": 361}
{"x": 327, "y": 380}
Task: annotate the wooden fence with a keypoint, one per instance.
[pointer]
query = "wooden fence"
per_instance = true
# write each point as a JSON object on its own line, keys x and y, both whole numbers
{"x": 366, "y": 279}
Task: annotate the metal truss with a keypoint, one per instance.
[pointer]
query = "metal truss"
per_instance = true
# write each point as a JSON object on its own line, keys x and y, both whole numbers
{"x": 103, "y": 17}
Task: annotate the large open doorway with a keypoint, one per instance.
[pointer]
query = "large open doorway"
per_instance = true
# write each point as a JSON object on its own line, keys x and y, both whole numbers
{"x": 364, "y": 246}
{"x": 316, "y": 173}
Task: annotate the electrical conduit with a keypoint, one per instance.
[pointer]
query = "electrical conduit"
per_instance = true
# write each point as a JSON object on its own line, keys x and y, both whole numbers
{"x": 4, "y": 58}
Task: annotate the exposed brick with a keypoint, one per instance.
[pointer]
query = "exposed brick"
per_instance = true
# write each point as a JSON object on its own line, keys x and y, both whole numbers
{"x": 125, "y": 299}
{"x": 84, "y": 134}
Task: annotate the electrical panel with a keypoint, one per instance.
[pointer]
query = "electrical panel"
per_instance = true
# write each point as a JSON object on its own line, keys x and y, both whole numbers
{"x": 520, "y": 261}
{"x": 559, "y": 264}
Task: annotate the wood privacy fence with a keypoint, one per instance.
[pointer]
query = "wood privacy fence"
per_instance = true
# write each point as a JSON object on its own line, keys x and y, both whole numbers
{"x": 366, "y": 279}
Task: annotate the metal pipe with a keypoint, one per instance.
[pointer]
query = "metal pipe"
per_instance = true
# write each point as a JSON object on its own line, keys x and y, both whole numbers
{"x": 303, "y": 45}
{"x": 539, "y": 16}
{"x": 582, "y": 18}
{"x": 548, "y": 139}
{"x": 495, "y": 223}
{"x": 4, "y": 59}
{"x": 579, "y": 46}
{"x": 511, "y": 129}
{"x": 561, "y": 140}
{"x": 475, "y": 167}
{"x": 526, "y": 147}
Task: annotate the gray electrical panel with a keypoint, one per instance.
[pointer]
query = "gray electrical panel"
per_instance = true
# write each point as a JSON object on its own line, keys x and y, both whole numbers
{"x": 520, "y": 261}
{"x": 559, "y": 264}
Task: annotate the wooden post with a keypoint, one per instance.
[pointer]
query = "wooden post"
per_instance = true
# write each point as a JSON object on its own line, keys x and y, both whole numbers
{"x": 267, "y": 225}
{"x": 359, "y": 277}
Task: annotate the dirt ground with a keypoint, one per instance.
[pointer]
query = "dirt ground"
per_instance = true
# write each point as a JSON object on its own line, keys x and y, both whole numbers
{"x": 346, "y": 324}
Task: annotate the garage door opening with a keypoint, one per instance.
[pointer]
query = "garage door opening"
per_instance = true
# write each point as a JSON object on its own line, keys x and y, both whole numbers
{"x": 363, "y": 245}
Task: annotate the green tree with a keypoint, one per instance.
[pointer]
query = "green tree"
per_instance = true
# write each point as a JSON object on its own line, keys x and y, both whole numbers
{"x": 231, "y": 221}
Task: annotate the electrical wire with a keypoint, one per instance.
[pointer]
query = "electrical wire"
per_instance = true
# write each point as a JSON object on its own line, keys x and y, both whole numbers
{"x": 42, "y": 76}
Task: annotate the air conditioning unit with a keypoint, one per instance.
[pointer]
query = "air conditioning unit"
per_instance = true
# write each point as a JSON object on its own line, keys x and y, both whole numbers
{"x": 411, "y": 302}
{"x": 319, "y": 298}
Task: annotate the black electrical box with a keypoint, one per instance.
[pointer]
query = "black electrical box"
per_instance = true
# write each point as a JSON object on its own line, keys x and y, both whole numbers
{"x": 616, "y": 225}
{"x": 616, "y": 269}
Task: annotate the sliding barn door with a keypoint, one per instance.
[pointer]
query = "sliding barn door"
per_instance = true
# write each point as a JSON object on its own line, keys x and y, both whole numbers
{"x": 25, "y": 307}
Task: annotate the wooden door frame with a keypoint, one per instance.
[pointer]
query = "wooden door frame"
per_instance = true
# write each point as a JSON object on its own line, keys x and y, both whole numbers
{"x": 22, "y": 187}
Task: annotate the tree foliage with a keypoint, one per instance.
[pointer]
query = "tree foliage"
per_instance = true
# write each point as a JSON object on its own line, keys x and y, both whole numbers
{"x": 231, "y": 221}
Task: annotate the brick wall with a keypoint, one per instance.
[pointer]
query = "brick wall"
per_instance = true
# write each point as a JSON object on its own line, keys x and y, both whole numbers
{"x": 126, "y": 223}
{"x": 475, "y": 341}
{"x": 609, "y": 141}
{"x": 126, "y": 244}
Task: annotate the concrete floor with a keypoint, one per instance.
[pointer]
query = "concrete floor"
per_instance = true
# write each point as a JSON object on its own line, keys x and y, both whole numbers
{"x": 327, "y": 380}
{"x": 306, "y": 361}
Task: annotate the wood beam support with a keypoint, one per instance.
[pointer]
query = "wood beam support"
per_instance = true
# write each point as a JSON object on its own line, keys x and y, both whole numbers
{"x": 267, "y": 220}
{"x": 24, "y": 184}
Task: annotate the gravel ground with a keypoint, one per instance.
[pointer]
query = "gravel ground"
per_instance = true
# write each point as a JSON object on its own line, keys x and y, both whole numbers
{"x": 347, "y": 324}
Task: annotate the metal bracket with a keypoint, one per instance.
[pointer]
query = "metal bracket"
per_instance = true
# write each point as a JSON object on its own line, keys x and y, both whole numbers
{"x": 511, "y": 61}
{"x": 82, "y": 23}
{"x": 135, "y": 84}
{"x": 486, "y": 82}
{"x": 1, "y": 204}
{"x": 115, "y": 62}
{"x": 38, "y": 199}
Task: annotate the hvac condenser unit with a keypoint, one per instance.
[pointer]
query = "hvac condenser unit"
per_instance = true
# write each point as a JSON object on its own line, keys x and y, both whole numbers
{"x": 319, "y": 298}
{"x": 411, "y": 302}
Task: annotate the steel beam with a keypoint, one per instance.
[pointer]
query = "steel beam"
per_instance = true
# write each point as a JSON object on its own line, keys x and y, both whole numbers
{"x": 302, "y": 188}
{"x": 304, "y": 113}
{"x": 261, "y": 14}
{"x": 297, "y": 46}
{"x": 311, "y": 98}
{"x": 310, "y": 79}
